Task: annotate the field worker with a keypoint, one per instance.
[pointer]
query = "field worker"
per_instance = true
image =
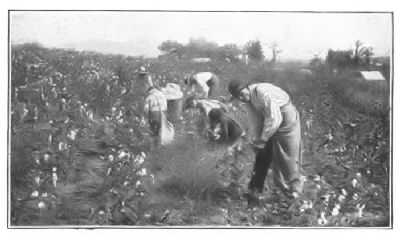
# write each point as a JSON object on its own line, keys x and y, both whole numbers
{"x": 206, "y": 84}
{"x": 204, "y": 106}
{"x": 279, "y": 140}
{"x": 174, "y": 97}
{"x": 155, "y": 107}
{"x": 226, "y": 128}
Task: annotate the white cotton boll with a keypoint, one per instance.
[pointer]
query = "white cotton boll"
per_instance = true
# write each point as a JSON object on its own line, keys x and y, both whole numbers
{"x": 360, "y": 209}
{"x": 72, "y": 135}
{"x": 46, "y": 157}
{"x": 35, "y": 194}
{"x": 111, "y": 158}
{"x": 44, "y": 194}
{"x": 54, "y": 179}
{"x": 143, "y": 154}
{"x": 344, "y": 192}
{"x": 335, "y": 210}
{"x": 89, "y": 114}
{"x": 137, "y": 184}
{"x": 60, "y": 146}
{"x": 322, "y": 220}
{"x": 120, "y": 121}
{"x": 305, "y": 205}
{"x": 317, "y": 178}
{"x": 355, "y": 196}
{"x": 354, "y": 182}
{"x": 139, "y": 161}
{"x": 126, "y": 183}
{"x": 101, "y": 212}
{"x": 121, "y": 154}
{"x": 358, "y": 175}
{"x": 37, "y": 180}
{"x": 50, "y": 139}
{"x": 326, "y": 197}
{"x": 341, "y": 197}
{"x": 41, "y": 205}
{"x": 142, "y": 172}
{"x": 308, "y": 123}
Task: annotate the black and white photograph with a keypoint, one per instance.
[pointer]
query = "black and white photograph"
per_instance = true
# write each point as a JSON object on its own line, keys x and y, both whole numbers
{"x": 200, "y": 119}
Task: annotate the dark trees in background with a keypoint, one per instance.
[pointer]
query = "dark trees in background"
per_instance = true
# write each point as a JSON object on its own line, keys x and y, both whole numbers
{"x": 339, "y": 59}
{"x": 254, "y": 50}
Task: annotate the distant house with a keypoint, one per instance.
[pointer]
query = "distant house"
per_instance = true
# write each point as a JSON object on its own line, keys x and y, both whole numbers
{"x": 371, "y": 75}
{"x": 305, "y": 71}
{"x": 201, "y": 60}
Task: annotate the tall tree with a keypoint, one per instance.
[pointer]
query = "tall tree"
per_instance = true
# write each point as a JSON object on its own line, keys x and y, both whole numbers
{"x": 254, "y": 50}
{"x": 171, "y": 47}
{"x": 275, "y": 52}
{"x": 357, "y": 51}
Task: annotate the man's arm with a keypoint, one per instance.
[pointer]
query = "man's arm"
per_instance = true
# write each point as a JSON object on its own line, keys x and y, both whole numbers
{"x": 272, "y": 116}
{"x": 203, "y": 87}
{"x": 146, "y": 107}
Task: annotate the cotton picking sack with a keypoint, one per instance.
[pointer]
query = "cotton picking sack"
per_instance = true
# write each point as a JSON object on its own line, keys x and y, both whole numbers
{"x": 167, "y": 132}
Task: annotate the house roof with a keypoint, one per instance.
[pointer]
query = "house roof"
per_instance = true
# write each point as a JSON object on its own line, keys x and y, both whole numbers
{"x": 372, "y": 75}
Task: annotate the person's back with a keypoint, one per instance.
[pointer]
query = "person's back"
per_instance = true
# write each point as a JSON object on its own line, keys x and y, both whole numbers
{"x": 225, "y": 127}
{"x": 206, "y": 84}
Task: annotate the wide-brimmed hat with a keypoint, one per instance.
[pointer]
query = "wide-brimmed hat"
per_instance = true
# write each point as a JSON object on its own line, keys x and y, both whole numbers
{"x": 142, "y": 71}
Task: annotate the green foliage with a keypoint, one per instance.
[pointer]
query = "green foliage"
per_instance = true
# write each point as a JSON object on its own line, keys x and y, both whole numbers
{"x": 254, "y": 50}
{"x": 317, "y": 66}
{"x": 339, "y": 58}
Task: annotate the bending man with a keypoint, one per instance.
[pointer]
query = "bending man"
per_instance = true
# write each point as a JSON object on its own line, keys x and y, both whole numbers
{"x": 279, "y": 140}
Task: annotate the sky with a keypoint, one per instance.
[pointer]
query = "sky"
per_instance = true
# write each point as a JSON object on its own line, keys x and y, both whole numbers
{"x": 298, "y": 35}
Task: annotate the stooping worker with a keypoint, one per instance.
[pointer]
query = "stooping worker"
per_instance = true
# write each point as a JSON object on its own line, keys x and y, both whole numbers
{"x": 155, "y": 107}
{"x": 279, "y": 141}
{"x": 226, "y": 128}
{"x": 204, "y": 106}
{"x": 206, "y": 84}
